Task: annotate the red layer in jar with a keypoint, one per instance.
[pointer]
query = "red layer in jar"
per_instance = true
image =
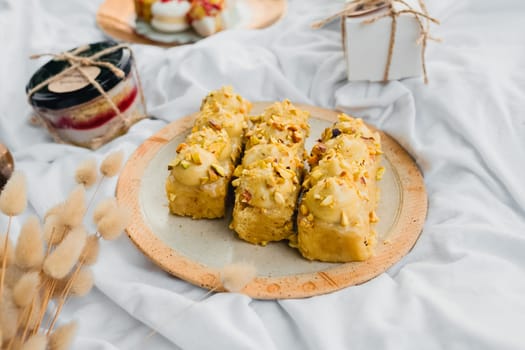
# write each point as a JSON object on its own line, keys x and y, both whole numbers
{"x": 99, "y": 119}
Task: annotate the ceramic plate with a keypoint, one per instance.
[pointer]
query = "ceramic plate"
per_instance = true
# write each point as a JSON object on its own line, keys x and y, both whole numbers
{"x": 195, "y": 250}
{"x": 116, "y": 18}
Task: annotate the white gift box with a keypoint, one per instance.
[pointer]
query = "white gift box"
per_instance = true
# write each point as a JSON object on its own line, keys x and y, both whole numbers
{"x": 366, "y": 45}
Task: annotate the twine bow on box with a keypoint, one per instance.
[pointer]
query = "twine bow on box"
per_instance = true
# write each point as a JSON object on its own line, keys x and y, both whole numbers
{"x": 361, "y": 7}
{"x": 76, "y": 62}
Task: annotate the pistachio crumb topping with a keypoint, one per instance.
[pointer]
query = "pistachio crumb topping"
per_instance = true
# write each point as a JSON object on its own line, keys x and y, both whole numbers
{"x": 219, "y": 169}
{"x": 344, "y": 219}
{"x": 181, "y": 146}
{"x": 173, "y": 163}
{"x": 196, "y": 158}
{"x": 184, "y": 164}
{"x": 279, "y": 199}
{"x": 380, "y": 173}
{"x": 303, "y": 209}
{"x": 328, "y": 200}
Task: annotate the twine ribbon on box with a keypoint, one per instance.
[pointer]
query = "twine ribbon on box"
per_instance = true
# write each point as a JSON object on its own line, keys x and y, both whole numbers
{"x": 360, "y": 7}
{"x": 76, "y": 63}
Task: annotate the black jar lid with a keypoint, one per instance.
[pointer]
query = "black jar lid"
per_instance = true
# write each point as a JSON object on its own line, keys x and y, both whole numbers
{"x": 46, "y": 98}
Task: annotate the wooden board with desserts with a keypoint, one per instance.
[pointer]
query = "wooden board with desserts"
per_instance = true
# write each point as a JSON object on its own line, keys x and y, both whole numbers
{"x": 176, "y": 22}
{"x": 316, "y": 199}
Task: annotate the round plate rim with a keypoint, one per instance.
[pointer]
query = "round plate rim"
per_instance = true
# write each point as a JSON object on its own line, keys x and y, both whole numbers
{"x": 406, "y": 231}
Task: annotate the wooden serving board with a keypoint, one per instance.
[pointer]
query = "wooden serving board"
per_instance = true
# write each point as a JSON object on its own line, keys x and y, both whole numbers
{"x": 196, "y": 250}
{"x": 116, "y": 18}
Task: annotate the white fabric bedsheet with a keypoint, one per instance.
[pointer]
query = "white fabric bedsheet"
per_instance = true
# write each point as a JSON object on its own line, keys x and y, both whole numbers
{"x": 463, "y": 284}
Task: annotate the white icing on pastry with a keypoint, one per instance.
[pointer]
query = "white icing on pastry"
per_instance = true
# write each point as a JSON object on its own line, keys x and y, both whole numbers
{"x": 170, "y": 16}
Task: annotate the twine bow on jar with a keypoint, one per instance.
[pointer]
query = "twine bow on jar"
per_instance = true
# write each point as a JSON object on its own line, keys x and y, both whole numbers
{"x": 361, "y": 7}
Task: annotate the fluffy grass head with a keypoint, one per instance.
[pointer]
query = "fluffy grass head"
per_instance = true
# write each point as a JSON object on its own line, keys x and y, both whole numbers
{"x": 29, "y": 251}
{"x": 36, "y": 342}
{"x": 74, "y": 207}
{"x": 89, "y": 254}
{"x": 62, "y": 337}
{"x": 111, "y": 225}
{"x": 82, "y": 282}
{"x": 86, "y": 173}
{"x": 8, "y": 315}
{"x": 60, "y": 262}
{"x": 236, "y": 276}
{"x": 54, "y": 229}
{"x": 111, "y": 165}
{"x": 103, "y": 208}
{"x": 13, "y": 198}
{"x": 26, "y": 289}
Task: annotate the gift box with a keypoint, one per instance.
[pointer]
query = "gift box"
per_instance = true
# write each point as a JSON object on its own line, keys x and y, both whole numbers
{"x": 384, "y": 40}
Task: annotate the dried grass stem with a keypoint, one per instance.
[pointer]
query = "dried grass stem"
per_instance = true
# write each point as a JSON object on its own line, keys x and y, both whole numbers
{"x": 4, "y": 258}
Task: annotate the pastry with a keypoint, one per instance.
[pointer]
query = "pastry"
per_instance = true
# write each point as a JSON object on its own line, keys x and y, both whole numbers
{"x": 205, "y": 16}
{"x": 337, "y": 211}
{"x": 143, "y": 9}
{"x": 268, "y": 180}
{"x": 200, "y": 174}
{"x": 169, "y": 16}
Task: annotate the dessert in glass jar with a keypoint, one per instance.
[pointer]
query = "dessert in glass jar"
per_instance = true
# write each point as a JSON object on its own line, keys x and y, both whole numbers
{"x": 75, "y": 111}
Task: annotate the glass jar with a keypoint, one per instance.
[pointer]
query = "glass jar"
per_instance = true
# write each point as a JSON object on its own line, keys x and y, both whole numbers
{"x": 72, "y": 108}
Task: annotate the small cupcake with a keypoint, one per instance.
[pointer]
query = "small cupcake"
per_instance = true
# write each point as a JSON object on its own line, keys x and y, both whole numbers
{"x": 170, "y": 15}
{"x": 206, "y": 16}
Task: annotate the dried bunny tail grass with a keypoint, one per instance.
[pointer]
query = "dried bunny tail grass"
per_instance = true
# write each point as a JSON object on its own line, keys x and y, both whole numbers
{"x": 29, "y": 251}
{"x": 6, "y": 250}
{"x": 60, "y": 287}
{"x": 103, "y": 208}
{"x": 12, "y": 275}
{"x": 74, "y": 207}
{"x": 30, "y": 319}
{"x": 13, "y": 198}
{"x": 36, "y": 342}
{"x": 54, "y": 230}
{"x": 7, "y": 256}
{"x": 57, "y": 209}
{"x": 86, "y": 173}
{"x": 79, "y": 284}
{"x": 58, "y": 264}
{"x": 113, "y": 223}
{"x": 8, "y": 315}
{"x": 26, "y": 289}
{"x": 236, "y": 276}
{"x": 89, "y": 254}
{"x": 112, "y": 163}
{"x": 16, "y": 343}
{"x": 82, "y": 282}
{"x": 62, "y": 337}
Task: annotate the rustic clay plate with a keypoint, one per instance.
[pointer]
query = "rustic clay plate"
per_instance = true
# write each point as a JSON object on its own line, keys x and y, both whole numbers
{"x": 116, "y": 18}
{"x": 195, "y": 250}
